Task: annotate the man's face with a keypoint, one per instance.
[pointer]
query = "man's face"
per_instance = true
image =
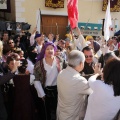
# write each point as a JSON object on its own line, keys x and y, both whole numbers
{"x": 38, "y": 39}
{"x": 5, "y": 37}
{"x": 91, "y": 40}
{"x": 88, "y": 56}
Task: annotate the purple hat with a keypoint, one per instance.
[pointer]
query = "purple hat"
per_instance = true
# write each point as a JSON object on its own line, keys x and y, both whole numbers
{"x": 40, "y": 56}
{"x": 37, "y": 35}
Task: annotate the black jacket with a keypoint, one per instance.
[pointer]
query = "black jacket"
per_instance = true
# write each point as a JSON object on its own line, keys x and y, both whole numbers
{"x": 3, "y": 79}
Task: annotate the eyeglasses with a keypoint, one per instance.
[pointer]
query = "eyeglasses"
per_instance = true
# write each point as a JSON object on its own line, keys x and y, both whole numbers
{"x": 11, "y": 42}
{"x": 88, "y": 56}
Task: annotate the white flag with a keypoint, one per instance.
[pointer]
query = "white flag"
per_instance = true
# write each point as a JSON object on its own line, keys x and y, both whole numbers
{"x": 107, "y": 23}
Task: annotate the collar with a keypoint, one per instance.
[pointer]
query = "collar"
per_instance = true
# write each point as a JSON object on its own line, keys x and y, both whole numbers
{"x": 53, "y": 63}
{"x": 72, "y": 70}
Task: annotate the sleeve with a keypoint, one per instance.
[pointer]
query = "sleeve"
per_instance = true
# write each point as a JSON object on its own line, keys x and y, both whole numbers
{"x": 39, "y": 89}
{"x": 74, "y": 44}
{"x": 32, "y": 39}
{"x": 83, "y": 87}
{"x": 30, "y": 67}
{"x": 95, "y": 84}
{"x": 37, "y": 82}
{"x": 5, "y": 78}
{"x": 36, "y": 71}
{"x": 82, "y": 41}
{"x": 32, "y": 78}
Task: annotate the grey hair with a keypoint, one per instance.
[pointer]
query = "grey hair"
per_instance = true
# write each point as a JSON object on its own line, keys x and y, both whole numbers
{"x": 75, "y": 57}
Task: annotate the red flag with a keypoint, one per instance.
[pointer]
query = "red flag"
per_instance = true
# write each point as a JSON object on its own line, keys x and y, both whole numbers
{"x": 72, "y": 7}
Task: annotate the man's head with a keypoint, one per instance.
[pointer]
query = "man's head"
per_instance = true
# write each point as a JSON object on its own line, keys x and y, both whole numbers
{"x": 50, "y": 36}
{"x": 115, "y": 40}
{"x": 39, "y": 38}
{"x": 61, "y": 43}
{"x": 5, "y": 36}
{"x": 89, "y": 54}
{"x": 76, "y": 60}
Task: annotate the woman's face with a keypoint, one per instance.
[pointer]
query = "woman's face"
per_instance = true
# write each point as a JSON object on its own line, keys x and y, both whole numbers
{"x": 11, "y": 64}
{"x": 49, "y": 52}
{"x": 18, "y": 39}
{"x": 11, "y": 43}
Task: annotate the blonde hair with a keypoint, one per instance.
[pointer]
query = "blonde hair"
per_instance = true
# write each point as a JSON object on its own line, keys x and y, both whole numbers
{"x": 1, "y": 48}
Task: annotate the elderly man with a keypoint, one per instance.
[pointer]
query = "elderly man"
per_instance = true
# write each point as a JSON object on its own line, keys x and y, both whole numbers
{"x": 72, "y": 89}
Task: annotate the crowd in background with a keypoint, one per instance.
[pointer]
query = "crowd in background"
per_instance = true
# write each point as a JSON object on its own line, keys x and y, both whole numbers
{"x": 55, "y": 78}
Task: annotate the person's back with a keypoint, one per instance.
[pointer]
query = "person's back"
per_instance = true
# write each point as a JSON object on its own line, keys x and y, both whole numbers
{"x": 102, "y": 105}
{"x": 104, "y": 102}
{"x": 72, "y": 92}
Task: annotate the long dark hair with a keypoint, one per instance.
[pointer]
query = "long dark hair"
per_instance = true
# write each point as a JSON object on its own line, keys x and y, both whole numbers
{"x": 111, "y": 74}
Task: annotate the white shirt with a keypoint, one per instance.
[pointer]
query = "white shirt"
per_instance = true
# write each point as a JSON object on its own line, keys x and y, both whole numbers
{"x": 32, "y": 78}
{"x": 102, "y": 104}
{"x": 30, "y": 66}
{"x": 52, "y": 73}
{"x": 116, "y": 47}
{"x": 38, "y": 47}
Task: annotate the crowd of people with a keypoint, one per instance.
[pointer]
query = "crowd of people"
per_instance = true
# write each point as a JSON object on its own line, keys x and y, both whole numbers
{"x": 49, "y": 78}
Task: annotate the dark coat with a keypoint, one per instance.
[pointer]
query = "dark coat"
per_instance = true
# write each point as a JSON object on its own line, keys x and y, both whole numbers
{"x": 3, "y": 79}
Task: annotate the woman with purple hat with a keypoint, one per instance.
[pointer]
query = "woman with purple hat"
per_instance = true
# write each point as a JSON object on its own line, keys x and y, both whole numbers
{"x": 46, "y": 71}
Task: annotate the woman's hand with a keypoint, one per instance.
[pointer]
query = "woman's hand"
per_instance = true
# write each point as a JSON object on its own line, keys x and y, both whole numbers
{"x": 97, "y": 68}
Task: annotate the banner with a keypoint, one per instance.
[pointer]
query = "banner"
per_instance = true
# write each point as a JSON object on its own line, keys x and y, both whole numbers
{"x": 72, "y": 7}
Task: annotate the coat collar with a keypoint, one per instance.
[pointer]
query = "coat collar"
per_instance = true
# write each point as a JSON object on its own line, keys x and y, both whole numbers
{"x": 72, "y": 70}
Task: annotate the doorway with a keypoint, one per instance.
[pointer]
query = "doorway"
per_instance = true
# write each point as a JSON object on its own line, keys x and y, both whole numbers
{"x": 54, "y": 24}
